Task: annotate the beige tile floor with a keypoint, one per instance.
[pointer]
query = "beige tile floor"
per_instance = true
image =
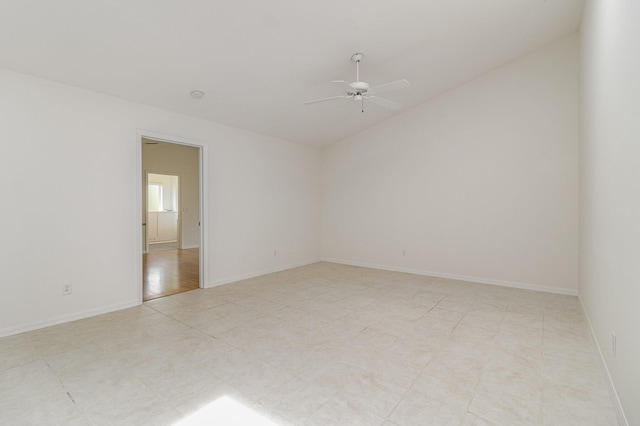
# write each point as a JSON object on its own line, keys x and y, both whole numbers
{"x": 324, "y": 344}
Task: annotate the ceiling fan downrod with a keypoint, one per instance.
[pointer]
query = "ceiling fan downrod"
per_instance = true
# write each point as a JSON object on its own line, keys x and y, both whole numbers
{"x": 357, "y": 57}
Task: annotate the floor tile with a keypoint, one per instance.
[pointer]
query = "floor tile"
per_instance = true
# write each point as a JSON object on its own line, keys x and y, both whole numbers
{"x": 417, "y": 409}
{"x": 316, "y": 345}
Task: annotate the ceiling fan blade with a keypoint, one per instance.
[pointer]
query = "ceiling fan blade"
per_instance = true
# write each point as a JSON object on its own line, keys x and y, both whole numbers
{"x": 344, "y": 83}
{"x": 315, "y": 101}
{"x": 384, "y": 102}
{"x": 394, "y": 85}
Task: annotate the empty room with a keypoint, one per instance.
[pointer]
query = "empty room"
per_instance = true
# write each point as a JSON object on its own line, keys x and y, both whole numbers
{"x": 320, "y": 213}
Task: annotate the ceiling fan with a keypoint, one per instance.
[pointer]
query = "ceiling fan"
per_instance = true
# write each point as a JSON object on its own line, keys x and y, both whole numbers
{"x": 360, "y": 90}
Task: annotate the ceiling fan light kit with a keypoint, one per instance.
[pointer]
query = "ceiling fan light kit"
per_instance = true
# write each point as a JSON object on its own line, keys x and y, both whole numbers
{"x": 360, "y": 90}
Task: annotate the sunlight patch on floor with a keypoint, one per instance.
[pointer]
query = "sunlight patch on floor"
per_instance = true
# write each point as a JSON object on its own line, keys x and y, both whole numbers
{"x": 225, "y": 411}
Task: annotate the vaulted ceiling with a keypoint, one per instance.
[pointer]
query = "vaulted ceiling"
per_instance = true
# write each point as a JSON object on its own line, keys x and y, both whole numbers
{"x": 258, "y": 61}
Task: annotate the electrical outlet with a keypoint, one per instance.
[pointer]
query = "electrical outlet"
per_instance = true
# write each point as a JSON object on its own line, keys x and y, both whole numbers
{"x": 67, "y": 289}
{"x": 614, "y": 343}
{"x": 404, "y": 252}
{"x": 275, "y": 253}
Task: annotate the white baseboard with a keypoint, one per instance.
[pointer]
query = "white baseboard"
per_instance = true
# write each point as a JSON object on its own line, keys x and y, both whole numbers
{"x": 622, "y": 419}
{"x": 236, "y": 278}
{"x": 480, "y": 280}
{"x": 9, "y": 331}
{"x": 192, "y": 246}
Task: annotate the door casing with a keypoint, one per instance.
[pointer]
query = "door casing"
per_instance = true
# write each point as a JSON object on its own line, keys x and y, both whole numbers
{"x": 140, "y": 240}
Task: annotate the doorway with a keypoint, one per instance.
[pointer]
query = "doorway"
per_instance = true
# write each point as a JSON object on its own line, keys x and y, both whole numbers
{"x": 171, "y": 200}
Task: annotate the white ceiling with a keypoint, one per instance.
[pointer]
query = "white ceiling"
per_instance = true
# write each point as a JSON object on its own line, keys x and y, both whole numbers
{"x": 258, "y": 61}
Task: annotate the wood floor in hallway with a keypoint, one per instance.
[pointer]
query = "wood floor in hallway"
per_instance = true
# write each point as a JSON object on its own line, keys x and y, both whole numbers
{"x": 169, "y": 272}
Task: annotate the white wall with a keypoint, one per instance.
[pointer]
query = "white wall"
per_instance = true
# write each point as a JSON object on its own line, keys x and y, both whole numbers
{"x": 481, "y": 182}
{"x": 179, "y": 160}
{"x": 610, "y": 188}
{"x": 263, "y": 195}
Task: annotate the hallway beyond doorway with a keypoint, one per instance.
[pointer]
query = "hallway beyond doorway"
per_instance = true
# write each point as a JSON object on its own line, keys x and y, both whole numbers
{"x": 170, "y": 272}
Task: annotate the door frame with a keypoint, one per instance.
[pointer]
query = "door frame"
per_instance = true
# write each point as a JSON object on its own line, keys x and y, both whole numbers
{"x": 203, "y": 197}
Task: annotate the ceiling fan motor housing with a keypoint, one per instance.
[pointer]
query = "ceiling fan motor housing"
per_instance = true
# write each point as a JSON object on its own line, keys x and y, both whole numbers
{"x": 360, "y": 86}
